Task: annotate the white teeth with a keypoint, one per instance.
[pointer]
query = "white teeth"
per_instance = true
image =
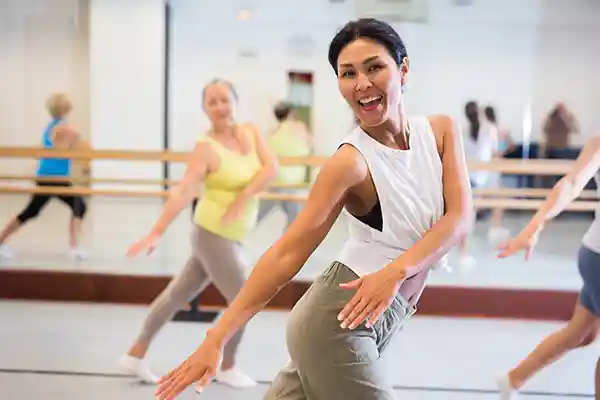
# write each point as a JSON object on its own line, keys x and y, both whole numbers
{"x": 371, "y": 99}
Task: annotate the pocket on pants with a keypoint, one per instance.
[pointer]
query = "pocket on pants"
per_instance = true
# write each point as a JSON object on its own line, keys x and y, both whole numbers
{"x": 392, "y": 321}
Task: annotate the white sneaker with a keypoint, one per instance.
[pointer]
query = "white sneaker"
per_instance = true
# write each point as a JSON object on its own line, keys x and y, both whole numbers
{"x": 138, "y": 367}
{"x": 507, "y": 392}
{"x": 235, "y": 378}
{"x": 5, "y": 253}
{"x": 466, "y": 262}
{"x": 77, "y": 254}
{"x": 498, "y": 234}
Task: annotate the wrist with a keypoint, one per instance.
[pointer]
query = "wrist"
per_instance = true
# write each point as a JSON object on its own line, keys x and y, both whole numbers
{"x": 214, "y": 337}
{"x": 396, "y": 271}
{"x": 534, "y": 226}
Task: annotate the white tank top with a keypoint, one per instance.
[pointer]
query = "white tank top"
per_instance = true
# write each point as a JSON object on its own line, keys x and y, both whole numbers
{"x": 591, "y": 239}
{"x": 409, "y": 188}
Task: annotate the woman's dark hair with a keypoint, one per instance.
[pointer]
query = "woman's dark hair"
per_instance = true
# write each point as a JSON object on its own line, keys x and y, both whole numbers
{"x": 282, "y": 110}
{"x": 367, "y": 28}
{"x": 472, "y": 114}
{"x": 223, "y": 81}
{"x": 490, "y": 114}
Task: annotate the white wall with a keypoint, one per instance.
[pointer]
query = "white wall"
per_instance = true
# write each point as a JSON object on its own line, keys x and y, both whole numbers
{"x": 43, "y": 49}
{"x": 503, "y": 53}
{"x": 126, "y": 84}
{"x": 567, "y": 62}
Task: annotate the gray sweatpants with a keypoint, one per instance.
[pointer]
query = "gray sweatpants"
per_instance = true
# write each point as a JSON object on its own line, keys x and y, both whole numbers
{"x": 328, "y": 362}
{"x": 213, "y": 259}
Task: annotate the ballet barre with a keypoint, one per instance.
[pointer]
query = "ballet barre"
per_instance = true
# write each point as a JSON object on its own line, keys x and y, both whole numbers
{"x": 126, "y": 181}
{"x": 512, "y": 167}
{"x": 479, "y": 202}
{"x": 485, "y": 192}
{"x": 508, "y": 198}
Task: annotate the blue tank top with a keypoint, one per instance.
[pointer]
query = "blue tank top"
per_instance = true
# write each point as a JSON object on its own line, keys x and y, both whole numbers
{"x": 52, "y": 166}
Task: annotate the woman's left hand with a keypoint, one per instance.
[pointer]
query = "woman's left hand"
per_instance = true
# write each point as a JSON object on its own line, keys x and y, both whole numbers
{"x": 374, "y": 294}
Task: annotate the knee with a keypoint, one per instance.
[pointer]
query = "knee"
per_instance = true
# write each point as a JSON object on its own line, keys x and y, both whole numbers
{"x": 79, "y": 208}
{"x": 26, "y": 215}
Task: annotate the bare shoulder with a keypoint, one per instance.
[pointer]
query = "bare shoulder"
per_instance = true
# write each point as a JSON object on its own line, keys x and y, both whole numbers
{"x": 443, "y": 127}
{"x": 204, "y": 148}
{"x": 346, "y": 166}
{"x": 248, "y": 127}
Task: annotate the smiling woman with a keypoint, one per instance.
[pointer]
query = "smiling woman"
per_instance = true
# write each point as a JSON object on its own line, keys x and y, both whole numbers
{"x": 403, "y": 182}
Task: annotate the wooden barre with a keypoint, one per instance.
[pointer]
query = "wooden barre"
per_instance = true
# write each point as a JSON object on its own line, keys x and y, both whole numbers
{"x": 517, "y": 204}
{"x": 83, "y": 191}
{"x": 128, "y": 181}
{"x": 129, "y": 155}
{"x": 496, "y": 192}
{"x": 521, "y": 167}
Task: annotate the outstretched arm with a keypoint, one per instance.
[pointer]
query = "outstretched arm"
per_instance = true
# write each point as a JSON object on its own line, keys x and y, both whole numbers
{"x": 569, "y": 187}
{"x": 285, "y": 258}
{"x": 187, "y": 188}
{"x": 275, "y": 268}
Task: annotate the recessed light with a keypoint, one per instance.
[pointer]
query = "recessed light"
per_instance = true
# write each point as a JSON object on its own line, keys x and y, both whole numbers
{"x": 244, "y": 15}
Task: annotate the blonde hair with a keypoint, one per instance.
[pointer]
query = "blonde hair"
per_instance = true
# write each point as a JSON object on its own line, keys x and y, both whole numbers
{"x": 59, "y": 105}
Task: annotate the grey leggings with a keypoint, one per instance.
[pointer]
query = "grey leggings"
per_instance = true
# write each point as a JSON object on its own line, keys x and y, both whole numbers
{"x": 213, "y": 259}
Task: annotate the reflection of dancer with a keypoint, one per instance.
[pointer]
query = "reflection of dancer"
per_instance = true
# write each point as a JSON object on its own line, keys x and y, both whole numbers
{"x": 404, "y": 185}
{"x": 497, "y": 231}
{"x": 290, "y": 139}
{"x": 59, "y": 134}
{"x": 483, "y": 145}
{"x": 581, "y": 330}
{"x": 235, "y": 165}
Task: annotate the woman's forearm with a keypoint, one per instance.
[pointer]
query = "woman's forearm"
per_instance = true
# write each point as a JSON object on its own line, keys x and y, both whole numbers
{"x": 179, "y": 197}
{"x": 260, "y": 181}
{"x": 436, "y": 243}
{"x": 562, "y": 194}
{"x": 272, "y": 272}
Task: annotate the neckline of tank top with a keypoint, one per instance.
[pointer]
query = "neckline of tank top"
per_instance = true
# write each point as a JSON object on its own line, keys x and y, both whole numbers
{"x": 236, "y": 153}
{"x": 391, "y": 149}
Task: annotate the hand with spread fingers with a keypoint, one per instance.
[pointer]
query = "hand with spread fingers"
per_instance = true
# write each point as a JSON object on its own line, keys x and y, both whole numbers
{"x": 200, "y": 367}
{"x": 525, "y": 240}
{"x": 374, "y": 294}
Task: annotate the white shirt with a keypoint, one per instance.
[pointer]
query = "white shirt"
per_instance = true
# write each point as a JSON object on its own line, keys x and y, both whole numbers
{"x": 483, "y": 150}
{"x": 410, "y": 191}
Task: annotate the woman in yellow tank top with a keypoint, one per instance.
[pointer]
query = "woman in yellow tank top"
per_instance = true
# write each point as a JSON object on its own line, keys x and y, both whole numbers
{"x": 290, "y": 139}
{"x": 235, "y": 165}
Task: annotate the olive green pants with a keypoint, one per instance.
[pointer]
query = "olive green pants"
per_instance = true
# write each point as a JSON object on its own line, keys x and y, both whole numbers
{"x": 331, "y": 363}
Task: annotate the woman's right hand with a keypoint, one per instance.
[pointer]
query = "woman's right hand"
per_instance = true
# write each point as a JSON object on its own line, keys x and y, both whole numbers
{"x": 147, "y": 243}
{"x": 526, "y": 240}
{"x": 200, "y": 367}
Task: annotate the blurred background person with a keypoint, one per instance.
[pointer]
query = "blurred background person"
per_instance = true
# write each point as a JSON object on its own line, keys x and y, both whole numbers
{"x": 290, "y": 138}
{"x": 58, "y": 134}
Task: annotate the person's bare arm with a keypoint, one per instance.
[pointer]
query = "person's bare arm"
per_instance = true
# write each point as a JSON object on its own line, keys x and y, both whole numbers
{"x": 65, "y": 136}
{"x": 458, "y": 205}
{"x": 187, "y": 189}
{"x": 570, "y": 186}
{"x": 263, "y": 178}
{"x": 286, "y": 257}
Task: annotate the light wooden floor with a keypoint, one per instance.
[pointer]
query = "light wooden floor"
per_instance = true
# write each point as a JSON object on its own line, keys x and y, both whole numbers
{"x": 68, "y": 352}
{"x": 114, "y": 223}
